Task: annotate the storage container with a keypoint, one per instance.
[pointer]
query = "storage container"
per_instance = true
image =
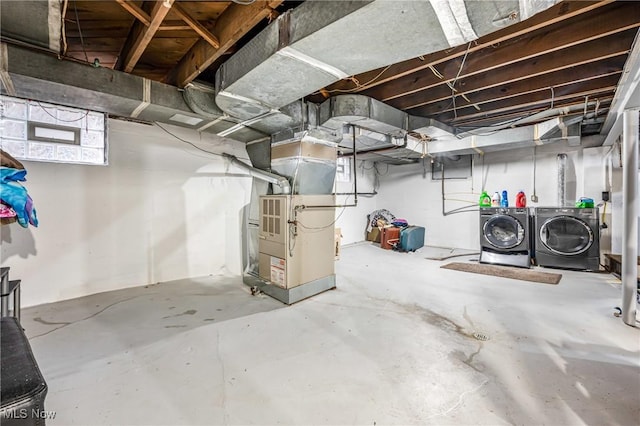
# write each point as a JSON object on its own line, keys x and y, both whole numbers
{"x": 412, "y": 238}
{"x": 390, "y": 238}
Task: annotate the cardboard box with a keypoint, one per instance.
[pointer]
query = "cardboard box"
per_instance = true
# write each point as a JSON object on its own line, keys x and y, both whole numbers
{"x": 374, "y": 235}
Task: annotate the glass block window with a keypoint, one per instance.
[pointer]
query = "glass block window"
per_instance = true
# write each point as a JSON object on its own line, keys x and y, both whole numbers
{"x": 38, "y": 131}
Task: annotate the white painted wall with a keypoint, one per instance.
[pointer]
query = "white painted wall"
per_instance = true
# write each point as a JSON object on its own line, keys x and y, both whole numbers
{"x": 352, "y": 221}
{"x": 410, "y": 193}
{"x": 161, "y": 210}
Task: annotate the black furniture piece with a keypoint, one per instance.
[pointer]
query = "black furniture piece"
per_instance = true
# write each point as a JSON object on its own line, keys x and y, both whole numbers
{"x": 22, "y": 387}
{"x": 8, "y": 288}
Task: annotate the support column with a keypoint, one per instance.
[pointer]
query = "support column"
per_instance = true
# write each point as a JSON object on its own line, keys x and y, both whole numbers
{"x": 630, "y": 216}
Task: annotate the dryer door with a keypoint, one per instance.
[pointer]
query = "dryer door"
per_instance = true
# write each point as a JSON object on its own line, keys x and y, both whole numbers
{"x": 503, "y": 231}
{"x": 566, "y": 235}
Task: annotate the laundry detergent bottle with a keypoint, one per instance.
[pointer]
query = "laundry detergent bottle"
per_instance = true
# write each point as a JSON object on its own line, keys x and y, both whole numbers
{"x": 495, "y": 200}
{"x": 485, "y": 200}
{"x": 504, "y": 202}
{"x": 521, "y": 200}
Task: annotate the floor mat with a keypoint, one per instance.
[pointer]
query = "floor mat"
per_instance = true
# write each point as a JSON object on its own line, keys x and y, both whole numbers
{"x": 505, "y": 272}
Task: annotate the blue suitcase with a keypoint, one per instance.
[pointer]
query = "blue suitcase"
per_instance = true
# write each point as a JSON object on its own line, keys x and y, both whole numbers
{"x": 412, "y": 238}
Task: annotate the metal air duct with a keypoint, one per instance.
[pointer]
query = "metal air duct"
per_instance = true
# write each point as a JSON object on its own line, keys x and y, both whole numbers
{"x": 279, "y": 181}
{"x": 29, "y": 74}
{"x": 321, "y": 42}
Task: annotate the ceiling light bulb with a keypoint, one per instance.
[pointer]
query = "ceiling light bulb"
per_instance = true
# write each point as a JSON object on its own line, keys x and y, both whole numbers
{"x": 167, "y": 3}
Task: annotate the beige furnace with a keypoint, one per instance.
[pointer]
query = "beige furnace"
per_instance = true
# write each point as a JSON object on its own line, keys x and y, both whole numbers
{"x": 296, "y": 240}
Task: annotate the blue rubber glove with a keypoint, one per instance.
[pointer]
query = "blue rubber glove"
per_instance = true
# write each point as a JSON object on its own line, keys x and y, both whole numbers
{"x": 15, "y": 195}
{"x": 8, "y": 174}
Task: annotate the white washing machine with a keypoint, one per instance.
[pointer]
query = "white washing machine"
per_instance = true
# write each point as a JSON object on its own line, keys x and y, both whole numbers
{"x": 504, "y": 236}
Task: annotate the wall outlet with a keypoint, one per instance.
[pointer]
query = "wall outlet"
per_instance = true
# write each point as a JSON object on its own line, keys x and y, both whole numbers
{"x": 605, "y": 196}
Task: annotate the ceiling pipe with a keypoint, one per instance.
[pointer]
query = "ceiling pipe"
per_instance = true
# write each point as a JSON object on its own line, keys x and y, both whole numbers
{"x": 562, "y": 180}
{"x": 280, "y": 181}
{"x": 630, "y": 217}
{"x": 557, "y": 129}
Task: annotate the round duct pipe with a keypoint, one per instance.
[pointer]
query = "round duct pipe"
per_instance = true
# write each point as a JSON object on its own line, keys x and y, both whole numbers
{"x": 562, "y": 180}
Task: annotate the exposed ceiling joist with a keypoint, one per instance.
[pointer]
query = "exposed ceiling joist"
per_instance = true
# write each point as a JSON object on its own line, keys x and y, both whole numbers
{"x": 541, "y": 20}
{"x": 174, "y": 27}
{"x": 540, "y": 103}
{"x": 612, "y": 22}
{"x": 144, "y": 17}
{"x": 531, "y": 88}
{"x": 141, "y": 35}
{"x": 514, "y": 118}
{"x": 236, "y": 21}
{"x": 564, "y": 60}
{"x": 196, "y": 26}
{"x": 136, "y": 11}
{"x": 611, "y": 48}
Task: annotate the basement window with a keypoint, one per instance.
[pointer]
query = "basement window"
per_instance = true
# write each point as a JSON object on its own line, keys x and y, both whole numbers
{"x": 37, "y": 131}
{"x": 49, "y": 132}
{"x": 343, "y": 171}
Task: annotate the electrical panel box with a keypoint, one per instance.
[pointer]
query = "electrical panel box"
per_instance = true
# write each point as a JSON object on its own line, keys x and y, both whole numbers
{"x": 296, "y": 239}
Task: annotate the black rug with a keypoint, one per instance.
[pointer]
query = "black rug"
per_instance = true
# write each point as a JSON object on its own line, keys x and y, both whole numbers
{"x": 505, "y": 272}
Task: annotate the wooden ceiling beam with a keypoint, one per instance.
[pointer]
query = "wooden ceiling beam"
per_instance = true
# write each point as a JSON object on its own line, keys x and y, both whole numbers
{"x": 136, "y": 11}
{"x": 533, "y": 100}
{"x": 553, "y": 15}
{"x": 169, "y": 27}
{"x": 598, "y": 50}
{"x": 616, "y": 19}
{"x": 549, "y": 83}
{"x": 516, "y": 117}
{"x": 144, "y": 17}
{"x": 141, "y": 35}
{"x": 236, "y": 21}
{"x": 196, "y": 26}
{"x": 523, "y": 111}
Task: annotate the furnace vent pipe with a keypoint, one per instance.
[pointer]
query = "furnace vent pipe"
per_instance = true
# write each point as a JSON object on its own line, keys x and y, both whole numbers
{"x": 562, "y": 180}
{"x": 273, "y": 178}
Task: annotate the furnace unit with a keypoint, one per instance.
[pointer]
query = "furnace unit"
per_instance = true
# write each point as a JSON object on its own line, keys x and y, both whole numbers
{"x": 295, "y": 232}
{"x": 296, "y": 240}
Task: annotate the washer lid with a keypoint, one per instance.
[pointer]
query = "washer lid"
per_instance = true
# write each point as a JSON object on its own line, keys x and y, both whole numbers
{"x": 503, "y": 231}
{"x": 566, "y": 235}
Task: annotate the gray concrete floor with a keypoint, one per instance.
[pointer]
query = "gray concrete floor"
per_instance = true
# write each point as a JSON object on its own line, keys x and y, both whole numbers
{"x": 393, "y": 344}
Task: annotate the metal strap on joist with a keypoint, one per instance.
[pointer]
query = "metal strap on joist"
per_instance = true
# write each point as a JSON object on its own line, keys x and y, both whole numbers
{"x": 565, "y": 130}
{"x": 146, "y": 98}
{"x": 290, "y": 52}
{"x": 246, "y": 123}
{"x": 536, "y": 135}
{"x": 5, "y": 78}
{"x": 454, "y": 21}
{"x": 211, "y": 123}
{"x": 473, "y": 145}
